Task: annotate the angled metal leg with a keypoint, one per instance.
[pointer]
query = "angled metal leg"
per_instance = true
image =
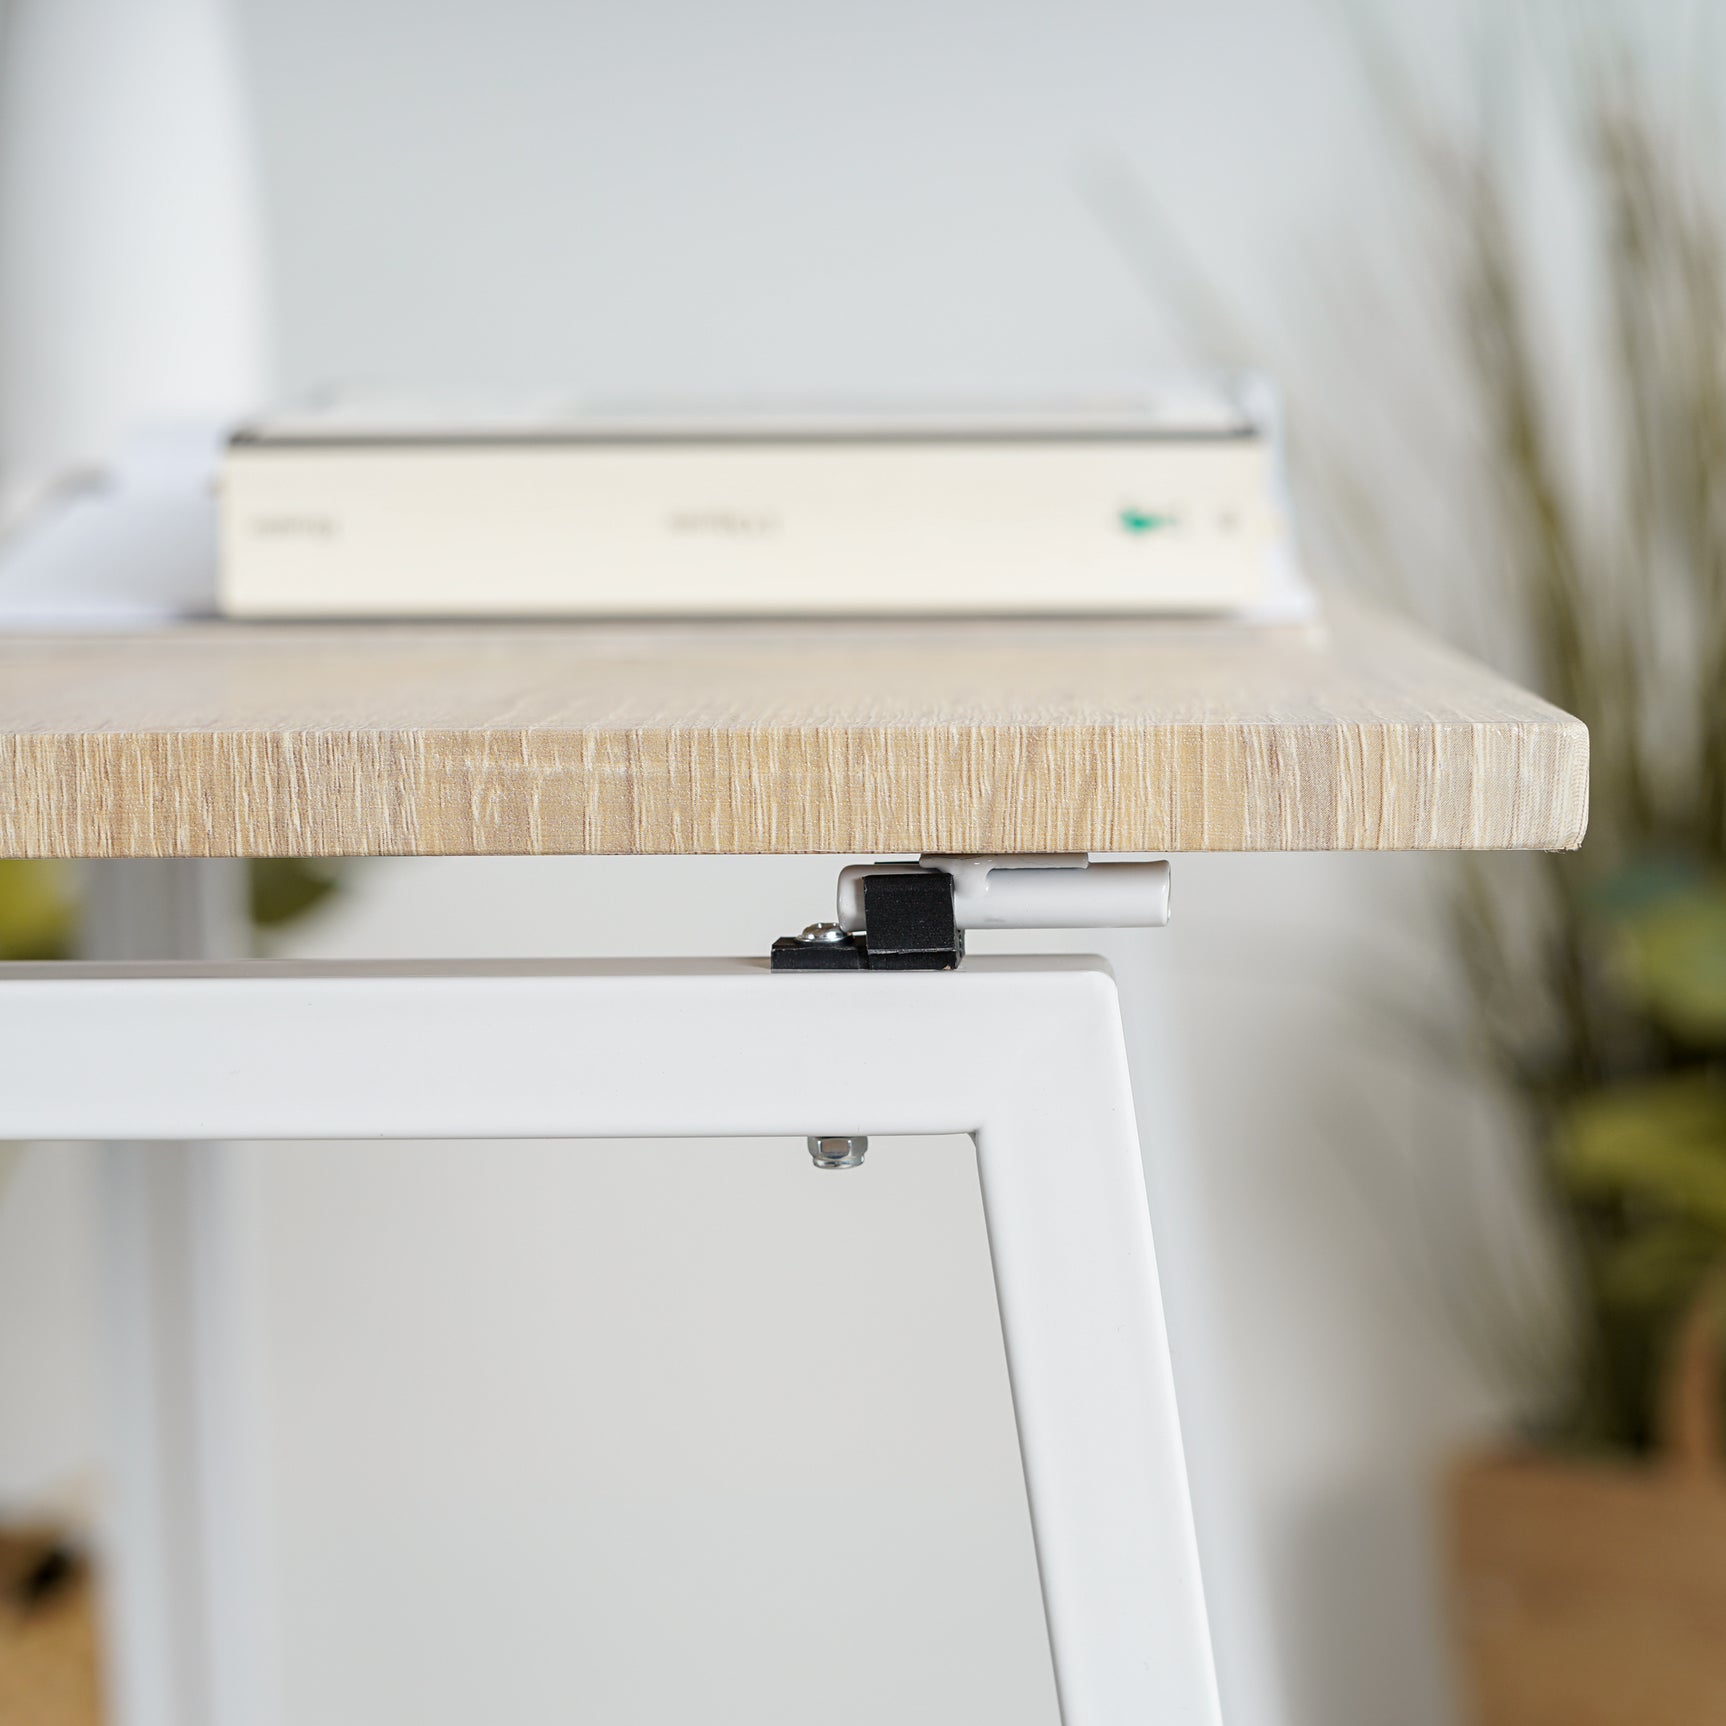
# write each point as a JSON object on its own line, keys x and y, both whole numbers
{"x": 1076, "y": 1278}
{"x": 1025, "y": 1054}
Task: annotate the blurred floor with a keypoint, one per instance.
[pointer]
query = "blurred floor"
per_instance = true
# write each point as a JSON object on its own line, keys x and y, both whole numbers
{"x": 48, "y": 1659}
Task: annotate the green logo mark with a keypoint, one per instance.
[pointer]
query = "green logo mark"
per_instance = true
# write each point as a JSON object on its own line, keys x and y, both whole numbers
{"x": 1144, "y": 520}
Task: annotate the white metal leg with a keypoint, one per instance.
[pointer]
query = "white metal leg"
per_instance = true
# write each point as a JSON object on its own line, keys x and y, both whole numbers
{"x": 1026, "y": 1054}
{"x": 180, "y": 1607}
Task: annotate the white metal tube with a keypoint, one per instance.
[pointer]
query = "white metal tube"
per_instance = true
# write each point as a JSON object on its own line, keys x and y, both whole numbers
{"x": 1031, "y": 892}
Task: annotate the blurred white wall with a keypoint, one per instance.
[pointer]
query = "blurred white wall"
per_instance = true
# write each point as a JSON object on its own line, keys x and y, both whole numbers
{"x": 761, "y": 196}
{"x": 677, "y": 199}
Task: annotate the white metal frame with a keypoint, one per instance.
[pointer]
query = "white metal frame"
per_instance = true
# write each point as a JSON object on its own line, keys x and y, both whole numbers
{"x": 184, "y": 1607}
{"x": 1026, "y": 1055}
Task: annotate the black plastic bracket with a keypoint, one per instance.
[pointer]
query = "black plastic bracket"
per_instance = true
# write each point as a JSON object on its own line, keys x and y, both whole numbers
{"x": 835, "y": 951}
{"x": 908, "y": 925}
{"x": 908, "y": 922}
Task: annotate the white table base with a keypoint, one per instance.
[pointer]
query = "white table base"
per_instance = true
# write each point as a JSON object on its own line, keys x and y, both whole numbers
{"x": 1026, "y": 1055}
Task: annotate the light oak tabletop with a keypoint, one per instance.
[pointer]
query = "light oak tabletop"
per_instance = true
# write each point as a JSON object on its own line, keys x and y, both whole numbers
{"x": 215, "y": 739}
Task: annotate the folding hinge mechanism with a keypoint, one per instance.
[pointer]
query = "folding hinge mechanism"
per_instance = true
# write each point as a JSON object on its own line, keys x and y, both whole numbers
{"x": 913, "y": 916}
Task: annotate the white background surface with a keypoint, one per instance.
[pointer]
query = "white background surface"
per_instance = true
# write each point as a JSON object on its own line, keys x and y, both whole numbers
{"x": 681, "y": 200}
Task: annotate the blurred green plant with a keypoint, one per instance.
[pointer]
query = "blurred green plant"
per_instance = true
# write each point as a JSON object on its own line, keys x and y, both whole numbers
{"x": 283, "y": 889}
{"x": 37, "y": 914}
{"x": 1600, "y": 978}
{"x": 39, "y": 909}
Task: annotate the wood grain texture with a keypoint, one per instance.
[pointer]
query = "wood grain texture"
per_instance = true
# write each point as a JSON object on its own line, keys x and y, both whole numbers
{"x": 998, "y": 736}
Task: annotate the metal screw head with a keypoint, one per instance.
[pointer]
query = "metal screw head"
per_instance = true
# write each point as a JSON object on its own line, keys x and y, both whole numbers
{"x": 823, "y": 934}
{"x": 838, "y": 1153}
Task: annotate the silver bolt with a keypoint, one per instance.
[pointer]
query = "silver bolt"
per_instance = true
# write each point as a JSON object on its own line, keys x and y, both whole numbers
{"x": 823, "y": 935}
{"x": 837, "y": 1153}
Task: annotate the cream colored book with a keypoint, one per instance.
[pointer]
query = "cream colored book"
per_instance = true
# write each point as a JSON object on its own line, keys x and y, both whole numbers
{"x": 1166, "y": 504}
